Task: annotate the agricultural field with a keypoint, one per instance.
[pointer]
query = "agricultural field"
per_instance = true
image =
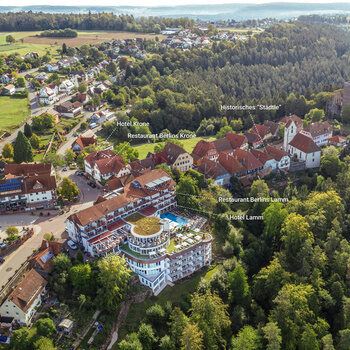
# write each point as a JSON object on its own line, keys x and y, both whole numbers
{"x": 28, "y": 41}
{"x": 13, "y": 111}
{"x": 188, "y": 145}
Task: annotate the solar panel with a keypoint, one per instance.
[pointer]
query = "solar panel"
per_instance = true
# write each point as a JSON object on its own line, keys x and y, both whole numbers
{"x": 46, "y": 257}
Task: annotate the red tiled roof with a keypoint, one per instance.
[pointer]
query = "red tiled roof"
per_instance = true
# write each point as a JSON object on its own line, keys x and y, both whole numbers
{"x": 27, "y": 290}
{"x": 230, "y": 163}
{"x": 247, "y": 159}
{"x": 275, "y": 153}
{"x": 94, "y": 156}
{"x": 148, "y": 211}
{"x": 100, "y": 237}
{"x": 27, "y": 169}
{"x": 288, "y": 119}
{"x": 110, "y": 165}
{"x": 211, "y": 169}
{"x": 202, "y": 148}
{"x": 252, "y": 138}
{"x": 130, "y": 195}
{"x": 261, "y": 130}
{"x": 261, "y": 155}
{"x": 337, "y": 139}
{"x": 116, "y": 225}
{"x": 319, "y": 128}
{"x": 236, "y": 140}
{"x": 304, "y": 143}
{"x": 222, "y": 145}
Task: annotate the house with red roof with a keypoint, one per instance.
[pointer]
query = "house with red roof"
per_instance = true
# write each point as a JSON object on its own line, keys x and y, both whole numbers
{"x": 262, "y": 130}
{"x": 214, "y": 170}
{"x": 305, "y": 149}
{"x": 266, "y": 159}
{"x": 86, "y": 139}
{"x": 102, "y": 165}
{"x": 237, "y": 141}
{"x": 337, "y": 141}
{"x": 320, "y": 132}
{"x": 254, "y": 140}
{"x": 204, "y": 149}
{"x": 231, "y": 164}
{"x": 251, "y": 164}
{"x": 281, "y": 157}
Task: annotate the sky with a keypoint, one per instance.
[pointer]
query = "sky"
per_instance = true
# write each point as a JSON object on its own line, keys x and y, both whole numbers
{"x": 148, "y": 2}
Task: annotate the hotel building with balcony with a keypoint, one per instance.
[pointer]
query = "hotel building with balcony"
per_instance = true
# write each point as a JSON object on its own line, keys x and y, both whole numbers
{"x": 129, "y": 224}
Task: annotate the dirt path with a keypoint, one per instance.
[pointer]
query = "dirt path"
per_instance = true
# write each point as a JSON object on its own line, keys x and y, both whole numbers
{"x": 123, "y": 313}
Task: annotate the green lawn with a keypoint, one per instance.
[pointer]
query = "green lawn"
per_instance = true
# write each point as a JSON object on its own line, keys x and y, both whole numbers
{"x": 22, "y": 48}
{"x": 187, "y": 144}
{"x": 13, "y": 111}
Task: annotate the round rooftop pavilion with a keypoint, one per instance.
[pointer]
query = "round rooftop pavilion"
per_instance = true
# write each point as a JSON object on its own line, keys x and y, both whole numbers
{"x": 144, "y": 226}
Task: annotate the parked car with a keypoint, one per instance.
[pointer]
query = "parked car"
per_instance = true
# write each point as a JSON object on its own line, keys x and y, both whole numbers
{"x": 64, "y": 169}
{"x": 2, "y": 260}
{"x": 79, "y": 173}
{"x": 72, "y": 244}
{"x": 91, "y": 184}
{"x": 76, "y": 134}
{"x": 2, "y": 245}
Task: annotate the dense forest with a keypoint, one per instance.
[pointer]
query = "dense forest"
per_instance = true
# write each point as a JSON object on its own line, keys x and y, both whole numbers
{"x": 282, "y": 282}
{"x": 178, "y": 89}
{"x": 30, "y": 21}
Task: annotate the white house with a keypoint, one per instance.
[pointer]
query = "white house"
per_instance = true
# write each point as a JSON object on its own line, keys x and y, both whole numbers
{"x": 281, "y": 157}
{"x": 305, "y": 149}
{"x": 66, "y": 86}
{"x": 48, "y": 94}
{"x": 52, "y": 67}
{"x": 320, "y": 132}
{"x": 22, "y": 302}
{"x": 42, "y": 76}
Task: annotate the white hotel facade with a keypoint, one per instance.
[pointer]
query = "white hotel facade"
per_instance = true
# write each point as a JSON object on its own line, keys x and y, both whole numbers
{"x": 106, "y": 228}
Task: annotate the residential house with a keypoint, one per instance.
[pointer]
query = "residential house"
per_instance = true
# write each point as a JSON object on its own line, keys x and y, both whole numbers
{"x": 231, "y": 164}
{"x": 84, "y": 98}
{"x": 48, "y": 94}
{"x": 273, "y": 127}
{"x": 237, "y": 141}
{"x": 254, "y": 140}
{"x": 102, "y": 165}
{"x": 305, "y": 149}
{"x": 66, "y": 87}
{"x": 86, "y": 139}
{"x": 281, "y": 157}
{"x": 101, "y": 117}
{"x": 269, "y": 163}
{"x": 320, "y": 132}
{"x": 41, "y": 77}
{"x": 52, "y": 67}
{"x": 9, "y": 89}
{"x": 7, "y": 78}
{"x": 204, "y": 149}
{"x": 248, "y": 161}
{"x": 337, "y": 141}
{"x": 42, "y": 261}
{"x": 214, "y": 170}
{"x": 262, "y": 130}
{"x": 69, "y": 109}
{"x": 178, "y": 157}
{"x": 22, "y": 302}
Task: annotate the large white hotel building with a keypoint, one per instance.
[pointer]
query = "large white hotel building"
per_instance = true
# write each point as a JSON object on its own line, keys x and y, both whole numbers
{"x": 129, "y": 224}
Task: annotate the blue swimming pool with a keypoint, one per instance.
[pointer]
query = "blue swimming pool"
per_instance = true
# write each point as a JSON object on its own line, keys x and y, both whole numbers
{"x": 172, "y": 217}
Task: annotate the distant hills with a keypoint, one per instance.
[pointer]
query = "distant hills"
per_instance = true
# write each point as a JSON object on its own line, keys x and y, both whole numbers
{"x": 204, "y": 12}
